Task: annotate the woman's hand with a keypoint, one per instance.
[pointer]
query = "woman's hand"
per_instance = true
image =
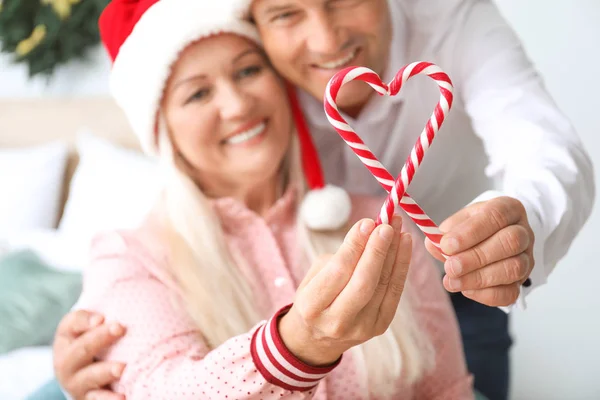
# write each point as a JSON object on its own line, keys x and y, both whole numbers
{"x": 351, "y": 296}
{"x": 80, "y": 337}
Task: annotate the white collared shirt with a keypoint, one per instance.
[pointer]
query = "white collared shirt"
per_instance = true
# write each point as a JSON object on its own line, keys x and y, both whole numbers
{"x": 503, "y": 136}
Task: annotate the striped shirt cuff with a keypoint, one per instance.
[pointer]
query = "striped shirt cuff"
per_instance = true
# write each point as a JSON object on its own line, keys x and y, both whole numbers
{"x": 277, "y": 364}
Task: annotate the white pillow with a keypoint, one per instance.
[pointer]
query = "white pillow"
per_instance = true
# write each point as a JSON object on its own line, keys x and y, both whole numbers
{"x": 31, "y": 186}
{"x": 59, "y": 250}
{"x": 112, "y": 188}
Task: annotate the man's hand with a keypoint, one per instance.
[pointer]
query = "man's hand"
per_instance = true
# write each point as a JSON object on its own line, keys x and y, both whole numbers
{"x": 80, "y": 337}
{"x": 490, "y": 249}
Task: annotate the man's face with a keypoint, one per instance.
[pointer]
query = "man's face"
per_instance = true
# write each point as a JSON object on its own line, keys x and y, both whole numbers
{"x": 308, "y": 41}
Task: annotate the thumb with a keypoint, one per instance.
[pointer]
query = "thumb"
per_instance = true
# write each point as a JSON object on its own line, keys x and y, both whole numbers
{"x": 316, "y": 267}
{"x": 335, "y": 274}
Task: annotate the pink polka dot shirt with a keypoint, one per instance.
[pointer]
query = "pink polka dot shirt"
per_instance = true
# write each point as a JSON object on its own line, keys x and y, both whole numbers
{"x": 163, "y": 349}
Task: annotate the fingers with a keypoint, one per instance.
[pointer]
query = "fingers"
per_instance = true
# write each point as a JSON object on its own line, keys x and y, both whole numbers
{"x": 504, "y": 272}
{"x": 361, "y": 287}
{"x": 506, "y": 243}
{"x": 82, "y": 351}
{"x": 71, "y": 327}
{"x": 433, "y": 250}
{"x": 495, "y": 296}
{"x": 457, "y": 218}
{"x": 95, "y": 377}
{"x": 76, "y": 323}
{"x": 103, "y": 395}
{"x": 390, "y": 302}
{"x": 484, "y": 220}
{"x": 322, "y": 290}
{"x": 372, "y": 307}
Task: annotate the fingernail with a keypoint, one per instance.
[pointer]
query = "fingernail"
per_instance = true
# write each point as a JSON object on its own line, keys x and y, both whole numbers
{"x": 115, "y": 329}
{"x": 367, "y": 226}
{"x": 443, "y": 227}
{"x": 453, "y": 284}
{"x": 454, "y": 266}
{"x": 117, "y": 370}
{"x": 386, "y": 232}
{"x": 397, "y": 224}
{"x": 449, "y": 244}
{"x": 445, "y": 283}
{"x": 95, "y": 320}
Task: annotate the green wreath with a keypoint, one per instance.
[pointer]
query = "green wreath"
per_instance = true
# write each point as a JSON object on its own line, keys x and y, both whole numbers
{"x": 44, "y": 34}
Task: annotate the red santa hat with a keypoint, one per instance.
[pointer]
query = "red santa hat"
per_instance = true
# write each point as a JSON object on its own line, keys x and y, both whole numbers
{"x": 144, "y": 38}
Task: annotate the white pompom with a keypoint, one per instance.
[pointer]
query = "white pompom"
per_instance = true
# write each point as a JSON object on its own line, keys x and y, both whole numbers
{"x": 326, "y": 209}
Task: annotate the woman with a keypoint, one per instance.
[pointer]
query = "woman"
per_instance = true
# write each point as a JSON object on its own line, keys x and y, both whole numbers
{"x": 240, "y": 284}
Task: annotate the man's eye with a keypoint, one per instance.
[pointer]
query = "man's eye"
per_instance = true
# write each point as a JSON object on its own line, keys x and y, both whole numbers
{"x": 344, "y": 3}
{"x": 249, "y": 71}
{"x": 283, "y": 16}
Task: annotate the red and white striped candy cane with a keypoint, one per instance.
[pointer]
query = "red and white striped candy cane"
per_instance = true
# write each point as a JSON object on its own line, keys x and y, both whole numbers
{"x": 395, "y": 187}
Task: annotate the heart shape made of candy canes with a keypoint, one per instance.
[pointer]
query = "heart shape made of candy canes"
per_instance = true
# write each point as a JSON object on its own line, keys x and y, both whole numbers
{"x": 396, "y": 188}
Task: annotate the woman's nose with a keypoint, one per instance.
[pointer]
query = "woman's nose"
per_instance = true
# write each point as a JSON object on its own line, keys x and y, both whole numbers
{"x": 234, "y": 102}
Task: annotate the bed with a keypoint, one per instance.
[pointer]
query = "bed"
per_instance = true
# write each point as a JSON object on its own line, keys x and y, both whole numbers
{"x": 68, "y": 169}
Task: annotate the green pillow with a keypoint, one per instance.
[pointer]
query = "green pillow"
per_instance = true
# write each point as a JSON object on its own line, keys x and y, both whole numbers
{"x": 33, "y": 299}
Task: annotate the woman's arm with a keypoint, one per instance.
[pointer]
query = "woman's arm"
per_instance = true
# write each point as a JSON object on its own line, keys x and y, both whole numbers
{"x": 164, "y": 351}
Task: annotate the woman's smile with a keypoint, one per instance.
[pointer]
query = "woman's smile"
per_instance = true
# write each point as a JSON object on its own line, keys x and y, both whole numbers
{"x": 248, "y": 135}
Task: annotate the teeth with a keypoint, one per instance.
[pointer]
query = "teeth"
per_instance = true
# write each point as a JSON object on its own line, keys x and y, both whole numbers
{"x": 338, "y": 63}
{"x": 247, "y": 135}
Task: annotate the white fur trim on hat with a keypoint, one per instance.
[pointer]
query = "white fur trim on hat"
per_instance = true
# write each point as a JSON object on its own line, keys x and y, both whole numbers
{"x": 241, "y": 8}
{"x": 145, "y": 59}
{"x": 326, "y": 209}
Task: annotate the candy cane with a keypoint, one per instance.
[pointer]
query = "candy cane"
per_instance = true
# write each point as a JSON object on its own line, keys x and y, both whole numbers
{"x": 396, "y": 188}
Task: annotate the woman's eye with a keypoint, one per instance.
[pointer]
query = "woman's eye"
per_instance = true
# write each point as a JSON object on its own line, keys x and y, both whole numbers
{"x": 199, "y": 95}
{"x": 249, "y": 71}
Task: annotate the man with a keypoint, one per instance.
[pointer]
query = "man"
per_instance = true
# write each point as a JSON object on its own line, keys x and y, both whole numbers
{"x": 507, "y": 174}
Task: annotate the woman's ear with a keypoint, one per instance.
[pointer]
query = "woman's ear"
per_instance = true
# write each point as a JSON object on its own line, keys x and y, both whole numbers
{"x": 164, "y": 143}
{"x": 168, "y": 149}
{"x": 176, "y": 157}
{"x": 169, "y": 152}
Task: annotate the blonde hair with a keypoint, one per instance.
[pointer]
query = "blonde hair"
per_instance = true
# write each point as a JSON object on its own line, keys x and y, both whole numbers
{"x": 220, "y": 301}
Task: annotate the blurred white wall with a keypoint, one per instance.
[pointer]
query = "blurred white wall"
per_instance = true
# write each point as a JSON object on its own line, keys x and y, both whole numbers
{"x": 557, "y": 350}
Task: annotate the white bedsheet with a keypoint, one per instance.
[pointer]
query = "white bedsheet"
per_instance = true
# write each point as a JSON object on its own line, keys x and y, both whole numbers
{"x": 23, "y": 371}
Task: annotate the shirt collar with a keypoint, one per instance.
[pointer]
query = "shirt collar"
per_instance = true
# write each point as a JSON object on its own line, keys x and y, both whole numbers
{"x": 231, "y": 211}
{"x": 399, "y": 44}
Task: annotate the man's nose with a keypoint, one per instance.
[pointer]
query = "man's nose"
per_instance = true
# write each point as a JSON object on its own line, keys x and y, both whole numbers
{"x": 324, "y": 37}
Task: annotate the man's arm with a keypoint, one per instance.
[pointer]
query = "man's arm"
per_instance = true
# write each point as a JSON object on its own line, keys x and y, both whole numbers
{"x": 535, "y": 155}
{"x": 80, "y": 338}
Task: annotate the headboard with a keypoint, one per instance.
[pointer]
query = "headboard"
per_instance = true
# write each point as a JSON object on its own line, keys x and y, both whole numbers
{"x": 26, "y": 122}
